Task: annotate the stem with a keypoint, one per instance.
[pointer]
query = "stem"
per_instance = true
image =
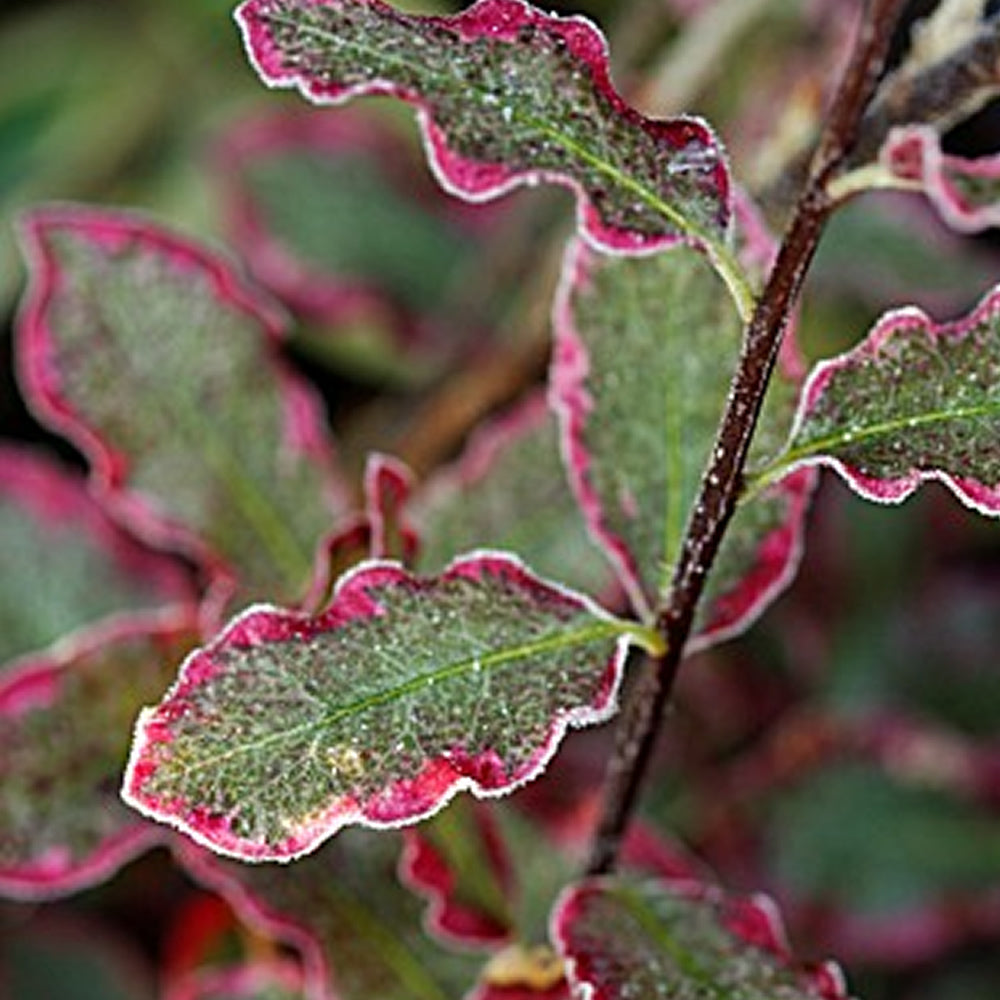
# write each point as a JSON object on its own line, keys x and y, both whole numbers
{"x": 723, "y": 478}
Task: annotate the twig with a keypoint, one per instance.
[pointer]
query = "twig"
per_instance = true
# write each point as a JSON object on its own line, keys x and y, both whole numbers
{"x": 722, "y": 481}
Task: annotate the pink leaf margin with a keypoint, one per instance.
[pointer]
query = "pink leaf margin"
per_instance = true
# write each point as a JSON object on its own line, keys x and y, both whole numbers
{"x": 35, "y": 683}
{"x": 110, "y": 231}
{"x": 913, "y": 153}
{"x": 405, "y": 802}
{"x": 753, "y": 920}
{"x": 474, "y": 181}
{"x": 55, "y": 498}
{"x": 249, "y": 980}
{"x": 423, "y": 869}
{"x": 983, "y": 498}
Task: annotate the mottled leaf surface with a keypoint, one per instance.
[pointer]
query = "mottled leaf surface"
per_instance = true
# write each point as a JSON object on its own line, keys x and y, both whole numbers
{"x": 506, "y": 490}
{"x": 914, "y": 401}
{"x": 344, "y": 909}
{"x": 507, "y": 95}
{"x": 64, "y": 733}
{"x": 964, "y": 192}
{"x": 65, "y": 564}
{"x": 625, "y": 938}
{"x": 154, "y": 356}
{"x": 404, "y": 691}
{"x": 645, "y": 350}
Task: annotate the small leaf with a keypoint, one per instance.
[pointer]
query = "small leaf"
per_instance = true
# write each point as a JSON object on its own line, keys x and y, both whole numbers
{"x": 406, "y": 690}
{"x": 507, "y": 96}
{"x": 965, "y": 193}
{"x": 153, "y": 355}
{"x": 64, "y": 721}
{"x": 645, "y": 350}
{"x": 65, "y": 563}
{"x": 503, "y": 491}
{"x": 914, "y": 401}
{"x": 623, "y": 938}
{"x": 344, "y": 909}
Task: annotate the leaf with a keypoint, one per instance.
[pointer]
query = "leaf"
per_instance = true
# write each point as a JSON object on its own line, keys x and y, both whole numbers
{"x": 65, "y": 563}
{"x": 625, "y": 938}
{"x": 363, "y": 214}
{"x": 403, "y": 692}
{"x": 64, "y": 723}
{"x": 914, "y": 401}
{"x": 645, "y": 349}
{"x": 503, "y": 492}
{"x": 507, "y": 96}
{"x": 458, "y": 862}
{"x": 344, "y": 909}
{"x": 154, "y": 356}
{"x": 965, "y": 193}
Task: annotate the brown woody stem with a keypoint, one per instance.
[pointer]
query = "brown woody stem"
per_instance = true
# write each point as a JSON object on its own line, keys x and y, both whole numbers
{"x": 723, "y": 477}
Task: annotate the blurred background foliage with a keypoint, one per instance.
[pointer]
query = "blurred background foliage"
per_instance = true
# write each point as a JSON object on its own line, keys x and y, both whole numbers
{"x": 780, "y": 767}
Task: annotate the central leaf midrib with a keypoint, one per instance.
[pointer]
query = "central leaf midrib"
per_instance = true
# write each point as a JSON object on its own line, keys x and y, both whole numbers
{"x": 488, "y": 661}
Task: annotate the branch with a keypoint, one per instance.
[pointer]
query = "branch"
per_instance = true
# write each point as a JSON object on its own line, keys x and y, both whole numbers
{"x": 723, "y": 478}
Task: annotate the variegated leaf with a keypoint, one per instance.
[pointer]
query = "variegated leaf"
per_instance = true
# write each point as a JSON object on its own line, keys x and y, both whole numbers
{"x": 645, "y": 350}
{"x": 64, "y": 731}
{"x": 914, "y": 401}
{"x": 65, "y": 563}
{"x": 404, "y": 691}
{"x": 155, "y": 357}
{"x": 625, "y": 938}
{"x": 507, "y": 95}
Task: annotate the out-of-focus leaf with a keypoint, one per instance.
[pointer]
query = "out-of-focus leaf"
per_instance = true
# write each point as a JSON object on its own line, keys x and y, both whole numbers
{"x": 404, "y": 691}
{"x": 507, "y": 95}
{"x": 625, "y": 938}
{"x": 645, "y": 350}
{"x": 65, "y": 564}
{"x": 273, "y": 980}
{"x": 64, "y": 733}
{"x": 159, "y": 361}
{"x": 344, "y": 909}
{"x": 914, "y": 401}
{"x": 507, "y": 491}
{"x": 966, "y": 193}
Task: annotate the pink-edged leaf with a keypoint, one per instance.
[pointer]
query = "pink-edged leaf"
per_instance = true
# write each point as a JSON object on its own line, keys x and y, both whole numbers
{"x": 345, "y": 911}
{"x": 505, "y": 491}
{"x": 404, "y": 691}
{"x": 388, "y": 485}
{"x": 343, "y": 249}
{"x": 64, "y": 733}
{"x": 645, "y": 349}
{"x": 914, "y": 401}
{"x": 153, "y": 355}
{"x": 626, "y": 938}
{"x": 65, "y": 563}
{"x": 506, "y": 95}
{"x": 260, "y": 980}
{"x": 458, "y": 862}
{"x": 964, "y": 192}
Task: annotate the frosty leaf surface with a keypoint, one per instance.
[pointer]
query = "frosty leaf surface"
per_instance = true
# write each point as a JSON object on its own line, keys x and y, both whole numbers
{"x": 65, "y": 564}
{"x": 506, "y": 95}
{"x": 914, "y": 401}
{"x": 403, "y": 692}
{"x": 159, "y": 361}
{"x": 506, "y": 491}
{"x": 645, "y": 349}
{"x": 628, "y": 938}
{"x": 64, "y": 725}
{"x": 344, "y": 909}
{"x": 964, "y": 192}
